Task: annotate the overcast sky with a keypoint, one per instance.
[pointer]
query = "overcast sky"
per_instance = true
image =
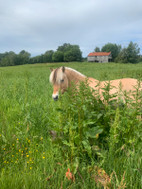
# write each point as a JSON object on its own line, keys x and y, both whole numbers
{"x": 40, "y": 25}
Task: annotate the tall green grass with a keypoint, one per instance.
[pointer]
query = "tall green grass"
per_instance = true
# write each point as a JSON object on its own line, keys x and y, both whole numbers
{"x": 41, "y": 139}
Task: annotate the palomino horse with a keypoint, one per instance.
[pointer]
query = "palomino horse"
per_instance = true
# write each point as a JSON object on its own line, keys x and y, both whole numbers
{"x": 61, "y": 78}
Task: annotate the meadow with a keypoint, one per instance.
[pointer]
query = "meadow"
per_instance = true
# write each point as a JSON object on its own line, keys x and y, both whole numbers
{"x": 75, "y": 142}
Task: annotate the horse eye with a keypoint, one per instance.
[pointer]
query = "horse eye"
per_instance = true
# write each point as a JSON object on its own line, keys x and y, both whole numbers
{"x": 62, "y": 80}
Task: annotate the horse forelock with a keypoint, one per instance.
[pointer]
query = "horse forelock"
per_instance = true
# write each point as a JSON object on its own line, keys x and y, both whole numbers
{"x": 56, "y": 75}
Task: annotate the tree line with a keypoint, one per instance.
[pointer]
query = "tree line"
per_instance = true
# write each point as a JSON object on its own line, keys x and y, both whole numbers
{"x": 70, "y": 53}
{"x": 64, "y": 53}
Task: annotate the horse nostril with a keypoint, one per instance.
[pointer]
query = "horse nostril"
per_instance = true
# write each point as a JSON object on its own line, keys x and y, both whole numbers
{"x": 55, "y": 98}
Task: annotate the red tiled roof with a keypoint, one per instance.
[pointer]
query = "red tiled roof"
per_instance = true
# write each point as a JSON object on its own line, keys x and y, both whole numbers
{"x": 99, "y": 54}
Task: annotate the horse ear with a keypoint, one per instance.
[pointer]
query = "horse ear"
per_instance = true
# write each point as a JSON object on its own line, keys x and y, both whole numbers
{"x": 63, "y": 69}
{"x": 51, "y": 69}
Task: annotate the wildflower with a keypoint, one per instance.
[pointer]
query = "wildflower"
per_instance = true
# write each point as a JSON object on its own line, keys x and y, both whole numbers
{"x": 29, "y": 141}
{"x": 30, "y": 168}
{"x": 19, "y": 150}
{"x": 102, "y": 177}
{"x": 17, "y": 139}
{"x": 41, "y": 138}
{"x": 27, "y": 155}
{"x": 4, "y": 149}
{"x": 13, "y": 144}
{"x": 0, "y": 135}
{"x": 97, "y": 136}
{"x": 43, "y": 157}
{"x": 69, "y": 175}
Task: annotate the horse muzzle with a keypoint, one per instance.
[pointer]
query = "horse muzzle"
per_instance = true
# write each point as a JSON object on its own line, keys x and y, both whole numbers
{"x": 55, "y": 97}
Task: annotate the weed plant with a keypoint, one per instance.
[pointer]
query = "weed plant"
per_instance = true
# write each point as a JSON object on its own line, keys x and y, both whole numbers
{"x": 97, "y": 144}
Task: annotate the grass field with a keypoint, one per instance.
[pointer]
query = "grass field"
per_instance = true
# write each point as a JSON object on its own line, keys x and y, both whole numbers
{"x": 96, "y": 145}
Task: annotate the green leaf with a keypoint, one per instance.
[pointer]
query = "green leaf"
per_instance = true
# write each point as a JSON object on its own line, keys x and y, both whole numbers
{"x": 92, "y": 132}
{"x": 66, "y": 143}
{"x": 87, "y": 147}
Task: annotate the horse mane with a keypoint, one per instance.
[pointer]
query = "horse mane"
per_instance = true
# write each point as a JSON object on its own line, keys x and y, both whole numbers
{"x": 68, "y": 71}
{"x": 74, "y": 71}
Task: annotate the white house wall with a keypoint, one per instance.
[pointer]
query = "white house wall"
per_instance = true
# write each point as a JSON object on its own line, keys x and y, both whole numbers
{"x": 100, "y": 59}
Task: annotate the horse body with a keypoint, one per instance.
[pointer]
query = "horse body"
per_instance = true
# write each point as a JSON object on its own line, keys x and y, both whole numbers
{"x": 61, "y": 78}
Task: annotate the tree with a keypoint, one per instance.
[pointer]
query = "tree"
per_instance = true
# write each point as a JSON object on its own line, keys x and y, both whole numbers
{"x": 74, "y": 54}
{"x": 23, "y": 58}
{"x": 65, "y": 47}
{"x": 129, "y": 54}
{"x": 113, "y": 48}
{"x": 133, "y": 52}
{"x": 97, "y": 49}
{"x": 47, "y": 56}
{"x": 122, "y": 57}
{"x": 70, "y": 52}
{"x": 36, "y": 59}
{"x": 2, "y": 55}
{"x": 9, "y": 59}
{"x": 58, "y": 56}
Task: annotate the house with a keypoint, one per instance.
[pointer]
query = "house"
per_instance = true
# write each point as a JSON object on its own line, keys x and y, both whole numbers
{"x": 99, "y": 57}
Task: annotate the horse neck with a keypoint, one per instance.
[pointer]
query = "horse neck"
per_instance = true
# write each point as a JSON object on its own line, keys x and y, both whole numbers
{"x": 74, "y": 76}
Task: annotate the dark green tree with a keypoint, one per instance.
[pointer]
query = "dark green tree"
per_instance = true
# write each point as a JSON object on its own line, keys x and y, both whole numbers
{"x": 97, "y": 49}
{"x": 58, "y": 56}
{"x": 70, "y": 52}
{"x": 133, "y": 52}
{"x": 129, "y": 54}
{"x": 23, "y": 58}
{"x": 47, "y": 56}
{"x": 2, "y": 55}
{"x": 9, "y": 59}
{"x": 36, "y": 59}
{"x": 65, "y": 47}
{"x": 113, "y": 48}
{"x": 74, "y": 54}
{"x": 122, "y": 57}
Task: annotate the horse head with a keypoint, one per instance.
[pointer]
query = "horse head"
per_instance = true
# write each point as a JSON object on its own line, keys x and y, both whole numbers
{"x": 59, "y": 80}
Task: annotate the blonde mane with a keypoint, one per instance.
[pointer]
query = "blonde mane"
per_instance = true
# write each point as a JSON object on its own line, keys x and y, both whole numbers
{"x": 57, "y": 75}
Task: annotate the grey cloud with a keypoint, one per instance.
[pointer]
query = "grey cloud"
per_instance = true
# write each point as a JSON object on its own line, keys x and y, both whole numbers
{"x": 46, "y": 24}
